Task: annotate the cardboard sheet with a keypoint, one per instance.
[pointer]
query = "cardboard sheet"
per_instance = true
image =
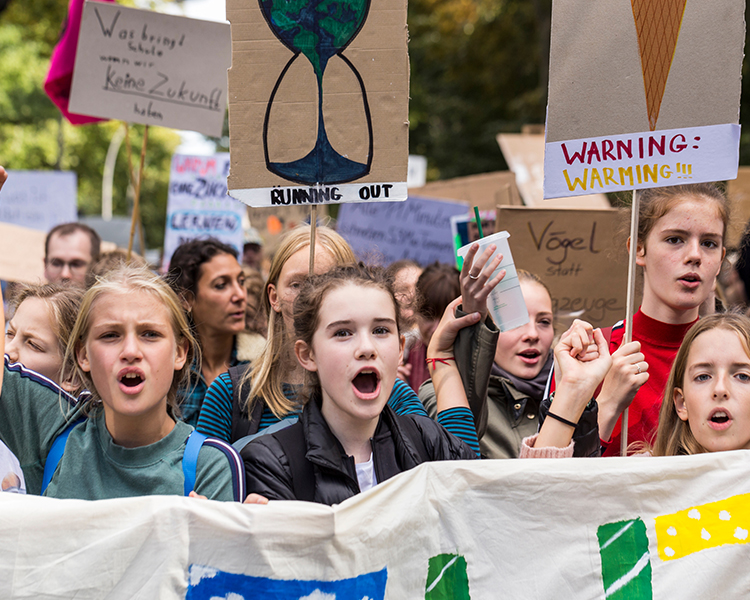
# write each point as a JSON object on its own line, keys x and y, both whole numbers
{"x": 578, "y": 254}
{"x": 486, "y": 190}
{"x": 642, "y": 93}
{"x": 287, "y": 150}
{"x": 146, "y": 67}
{"x": 524, "y": 154}
{"x": 21, "y": 254}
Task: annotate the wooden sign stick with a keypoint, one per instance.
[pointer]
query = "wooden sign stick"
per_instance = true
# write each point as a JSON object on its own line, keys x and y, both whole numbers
{"x": 630, "y": 306}
{"x": 136, "y": 187}
{"x": 313, "y": 227}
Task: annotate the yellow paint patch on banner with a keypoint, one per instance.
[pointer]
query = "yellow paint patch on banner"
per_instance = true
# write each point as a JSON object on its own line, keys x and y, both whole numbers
{"x": 706, "y": 526}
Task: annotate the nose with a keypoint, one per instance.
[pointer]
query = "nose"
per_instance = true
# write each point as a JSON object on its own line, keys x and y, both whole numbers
{"x": 530, "y": 332}
{"x": 66, "y": 274}
{"x": 366, "y": 347}
{"x": 694, "y": 251}
{"x": 721, "y": 386}
{"x": 131, "y": 348}
{"x": 11, "y": 349}
{"x": 239, "y": 293}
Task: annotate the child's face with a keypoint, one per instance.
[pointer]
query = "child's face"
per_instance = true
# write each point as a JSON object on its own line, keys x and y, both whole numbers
{"x": 523, "y": 351}
{"x": 132, "y": 354}
{"x": 31, "y": 339}
{"x": 356, "y": 351}
{"x": 681, "y": 257}
{"x": 715, "y": 397}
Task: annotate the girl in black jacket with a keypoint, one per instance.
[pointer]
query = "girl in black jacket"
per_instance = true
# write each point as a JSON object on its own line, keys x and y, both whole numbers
{"x": 347, "y": 439}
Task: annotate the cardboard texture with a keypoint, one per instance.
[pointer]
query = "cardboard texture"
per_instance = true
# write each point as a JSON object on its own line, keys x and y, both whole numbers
{"x": 198, "y": 205}
{"x": 738, "y": 191}
{"x": 39, "y": 199}
{"x": 486, "y": 190}
{"x": 579, "y": 256}
{"x": 146, "y": 67}
{"x": 418, "y": 229}
{"x": 641, "y": 94}
{"x": 524, "y": 154}
{"x": 285, "y": 149}
{"x": 21, "y": 254}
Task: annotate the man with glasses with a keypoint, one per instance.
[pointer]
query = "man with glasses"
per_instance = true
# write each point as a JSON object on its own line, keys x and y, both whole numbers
{"x": 68, "y": 251}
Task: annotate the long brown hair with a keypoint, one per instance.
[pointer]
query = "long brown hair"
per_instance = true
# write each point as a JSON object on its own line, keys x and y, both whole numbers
{"x": 674, "y": 436}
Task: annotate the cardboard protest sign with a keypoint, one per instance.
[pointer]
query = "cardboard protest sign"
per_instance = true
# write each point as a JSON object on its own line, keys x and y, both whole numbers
{"x": 642, "y": 93}
{"x": 198, "y": 205}
{"x": 384, "y": 232}
{"x": 147, "y": 67}
{"x": 578, "y": 256}
{"x": 39, "y": 199}
{"x": 524, "y": 154}
{"x": 485, "y": 191}
{"x": 459, "y": 530}
{"x": 318, "y": 102}
{"x": 21, "y": 253}
{"x": 738, "y": 191}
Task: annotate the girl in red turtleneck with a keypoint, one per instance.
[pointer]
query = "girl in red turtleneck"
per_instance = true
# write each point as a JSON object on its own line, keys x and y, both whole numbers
{"x": 680, "y": 249}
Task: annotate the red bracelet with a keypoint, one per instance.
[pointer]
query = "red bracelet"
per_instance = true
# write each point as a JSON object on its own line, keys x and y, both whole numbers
{"x": 432, "y": 361}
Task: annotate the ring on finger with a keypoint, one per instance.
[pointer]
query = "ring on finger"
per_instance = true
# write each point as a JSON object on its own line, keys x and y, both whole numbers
{"x": 472, "y": 276}
{"x": 637, "y": 369}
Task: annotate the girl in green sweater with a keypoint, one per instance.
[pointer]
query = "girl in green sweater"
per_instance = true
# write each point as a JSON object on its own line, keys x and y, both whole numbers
{"x": 131, "y": 346}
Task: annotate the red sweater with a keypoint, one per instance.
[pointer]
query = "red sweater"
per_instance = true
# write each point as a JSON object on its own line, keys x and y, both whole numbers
{"x": 659, "y": 344}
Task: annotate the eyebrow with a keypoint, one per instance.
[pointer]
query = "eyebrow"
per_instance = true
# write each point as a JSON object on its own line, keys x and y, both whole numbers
{"x": 686, "y": 232}
{"x": 345, "y": 322}
{"x": 709, "y": 365}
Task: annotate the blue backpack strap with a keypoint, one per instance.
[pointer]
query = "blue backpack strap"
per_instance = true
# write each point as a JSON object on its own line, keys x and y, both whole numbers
{"x": 55, "y": 454}
{"x": 190, "y": 459}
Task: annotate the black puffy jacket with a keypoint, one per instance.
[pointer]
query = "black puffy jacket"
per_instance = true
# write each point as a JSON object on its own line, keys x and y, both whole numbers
{"x": 397, "y": 446}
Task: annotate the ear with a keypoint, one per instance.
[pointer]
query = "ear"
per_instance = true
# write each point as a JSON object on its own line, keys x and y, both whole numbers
{"x": 679, "y": 404}
{"x": 181, "y": 353}
{"x": 305, "y": 356}
{"x": 640, "y": 254}
{"x": 401, "y": 346}
{"x": 273, "y": 297}
{"x": 83, "y": 358}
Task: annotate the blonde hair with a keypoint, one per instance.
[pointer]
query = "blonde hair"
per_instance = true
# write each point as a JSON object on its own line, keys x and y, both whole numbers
{"x": 139, "y": 279}
{"x": 674, "y": 435}
{"x": 266, "y": 375}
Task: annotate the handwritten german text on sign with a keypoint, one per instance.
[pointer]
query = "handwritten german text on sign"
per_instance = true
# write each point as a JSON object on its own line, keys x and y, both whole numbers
{"x": 151, "y": 68}
{"x": 198, "y": 205}
{"x": 641, "y": 94}
{"x": 575, "y": 252}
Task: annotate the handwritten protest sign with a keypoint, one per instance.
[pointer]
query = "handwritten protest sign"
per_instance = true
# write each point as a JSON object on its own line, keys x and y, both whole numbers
{"x": 198, "y": 205}
{"x": 147, "y": 67}
{"x": 642, "y": 93}
{"x": 39, "y": 199}
{"x": 458, "y": 530}
{"x": 576, "y": 253}
{"x": 384, "y": 232}
{"x": 318, "y": 102}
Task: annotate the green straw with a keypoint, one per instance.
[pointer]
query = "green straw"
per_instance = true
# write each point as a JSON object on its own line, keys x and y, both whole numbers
{"x": 478, "y": 221}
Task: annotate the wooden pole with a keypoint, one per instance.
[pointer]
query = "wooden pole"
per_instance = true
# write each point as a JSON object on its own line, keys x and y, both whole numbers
{"x": 630, "y": 307}
{"x": 137, "y": 191}
{"x": 313, "y": 227}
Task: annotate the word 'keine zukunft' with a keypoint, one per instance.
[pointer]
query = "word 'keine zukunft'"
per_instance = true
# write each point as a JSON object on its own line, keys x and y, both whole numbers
{"x": 642, "y": 160}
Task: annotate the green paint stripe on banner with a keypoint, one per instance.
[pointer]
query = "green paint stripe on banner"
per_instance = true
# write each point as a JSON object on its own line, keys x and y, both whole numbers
{"x": 626, "y": 565}
{"x": 447, "y": 578}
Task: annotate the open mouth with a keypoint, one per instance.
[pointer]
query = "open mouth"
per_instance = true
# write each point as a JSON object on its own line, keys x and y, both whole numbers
{"x": 720, "y": 419}
{"x": 131, "y": 380}
{"x": 690, "y": 279}
{"x": 530, "y": 356}
{"x": 366, "y": 384}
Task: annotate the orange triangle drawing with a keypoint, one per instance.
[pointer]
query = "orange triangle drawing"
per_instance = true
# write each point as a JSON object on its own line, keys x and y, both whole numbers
{"x": 657, "y": 23}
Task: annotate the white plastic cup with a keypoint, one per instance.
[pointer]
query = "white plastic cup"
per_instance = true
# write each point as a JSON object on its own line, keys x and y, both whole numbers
{"x": 505, "y": 303}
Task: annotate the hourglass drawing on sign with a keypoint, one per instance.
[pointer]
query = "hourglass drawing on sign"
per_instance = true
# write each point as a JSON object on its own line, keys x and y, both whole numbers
{"x": 319, "y": 30}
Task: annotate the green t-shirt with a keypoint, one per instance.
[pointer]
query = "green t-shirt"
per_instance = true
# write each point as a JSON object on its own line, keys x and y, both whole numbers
{"x": 34, "y": 411}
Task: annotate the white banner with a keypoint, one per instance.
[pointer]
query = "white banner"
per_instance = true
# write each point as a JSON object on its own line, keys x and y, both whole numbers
{"x": 39, "y": 199}
{"x": 632, "y": 528}
{"x": 322, "y": 194}
{"x": 198, "y": 205}
{"x": 641, "y": 160}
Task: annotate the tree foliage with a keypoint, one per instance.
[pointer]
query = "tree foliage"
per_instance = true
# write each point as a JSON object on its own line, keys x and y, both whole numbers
{"x": 34, "y": 136}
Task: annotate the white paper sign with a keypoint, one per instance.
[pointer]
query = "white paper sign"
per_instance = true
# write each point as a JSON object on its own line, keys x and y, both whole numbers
{"x": 418, "y": 229}
{"x": 198, "y": 205}
{"x": 39, "y": 199}
{"x": 147, "y": 67}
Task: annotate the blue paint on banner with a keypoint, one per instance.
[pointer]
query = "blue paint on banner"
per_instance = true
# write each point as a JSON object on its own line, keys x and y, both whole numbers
{"x": 205, "y": 583}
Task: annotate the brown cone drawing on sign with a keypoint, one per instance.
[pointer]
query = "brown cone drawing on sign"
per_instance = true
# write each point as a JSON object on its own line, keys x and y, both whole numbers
{"x": 657, "y": 23}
